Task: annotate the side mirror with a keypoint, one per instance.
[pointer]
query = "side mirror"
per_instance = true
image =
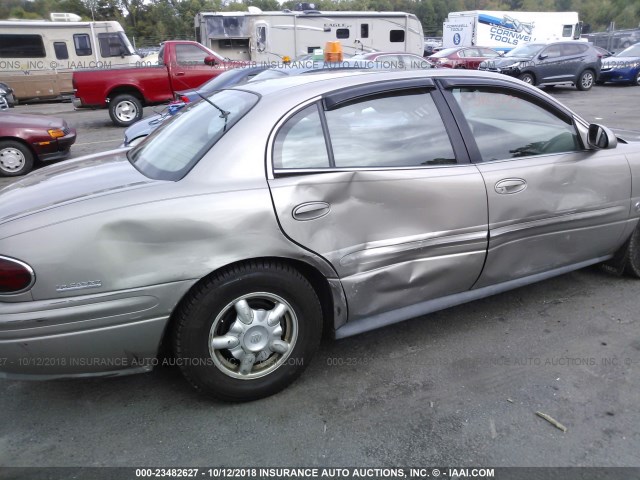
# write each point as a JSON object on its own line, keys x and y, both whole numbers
{"x": 600, "y": 137}
{"x": 542, "y": 56}
{"x": 210, "y": 60}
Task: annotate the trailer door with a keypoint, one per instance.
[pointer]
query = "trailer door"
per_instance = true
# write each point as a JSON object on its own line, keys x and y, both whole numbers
{"x": 261, "y": 39}
{"x": 364, "y": 34}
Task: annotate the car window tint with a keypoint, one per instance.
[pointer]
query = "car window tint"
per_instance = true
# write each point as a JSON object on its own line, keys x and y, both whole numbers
{"x": 568, "y": 49}
{"x": 300, "y": 142}
{"x": 553, "y": 51}
{"x": 389, "y": 130}
{"x": 505, "y": 126}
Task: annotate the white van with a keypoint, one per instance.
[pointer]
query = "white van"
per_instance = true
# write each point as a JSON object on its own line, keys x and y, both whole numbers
{"x": 37, "y": 58}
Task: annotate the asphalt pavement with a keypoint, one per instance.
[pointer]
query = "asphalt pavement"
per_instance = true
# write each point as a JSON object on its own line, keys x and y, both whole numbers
{"x": 460, "y": 387}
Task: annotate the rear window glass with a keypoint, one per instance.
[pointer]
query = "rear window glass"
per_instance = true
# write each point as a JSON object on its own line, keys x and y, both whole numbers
{"x": 172, "y": 150}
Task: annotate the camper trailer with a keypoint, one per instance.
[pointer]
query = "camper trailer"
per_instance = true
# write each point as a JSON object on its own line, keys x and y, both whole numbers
{"x": 37, "y": 58}
{"x": 505, "y": 30}
{"x": 269, "y": 36}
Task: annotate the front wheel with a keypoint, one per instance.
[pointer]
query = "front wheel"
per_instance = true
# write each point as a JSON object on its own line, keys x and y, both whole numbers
{"x": 125, "y": 110}
{"x": 528, "y": 78}
{"x": 586, "y": 80}
{"x": 15, "y": 158}
{"x": 637, "y": 81}
{"x": 248, "y": 332}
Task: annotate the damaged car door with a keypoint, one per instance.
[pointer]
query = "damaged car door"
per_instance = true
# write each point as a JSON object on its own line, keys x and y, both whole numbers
{"x": 371, "y": 179}
{"x": 553, "y": 202}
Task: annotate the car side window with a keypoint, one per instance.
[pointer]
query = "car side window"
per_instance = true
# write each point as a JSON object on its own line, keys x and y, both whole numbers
{"x": 300, "y": 142}
{"x": 507, "y": 126}
{"x": 399, "y": 129}
{"x": 570, "y": 50}
{"x": 486, "y": 52}
{"x": 190, "y": 55}
{"x": 553, "y": 51}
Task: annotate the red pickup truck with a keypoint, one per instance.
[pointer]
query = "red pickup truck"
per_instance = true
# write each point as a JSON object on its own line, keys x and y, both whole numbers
{"x": 181, "y": 65}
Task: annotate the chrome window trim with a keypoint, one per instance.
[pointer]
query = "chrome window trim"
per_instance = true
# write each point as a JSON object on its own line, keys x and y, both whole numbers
{"x": 31, "y": 273}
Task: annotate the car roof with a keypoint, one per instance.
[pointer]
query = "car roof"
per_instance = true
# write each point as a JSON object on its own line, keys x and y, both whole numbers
{"x": 345, "y": 78}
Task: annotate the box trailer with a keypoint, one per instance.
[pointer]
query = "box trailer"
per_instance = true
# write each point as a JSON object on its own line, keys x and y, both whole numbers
{"x": 269, "y": 36}
{"x": 505, "y": 30}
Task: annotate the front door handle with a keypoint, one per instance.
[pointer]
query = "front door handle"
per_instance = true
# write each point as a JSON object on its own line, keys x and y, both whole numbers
{"x": 311, "y": 210}
{"x": 179, "y": 74}
{"x": 510, "y": 185}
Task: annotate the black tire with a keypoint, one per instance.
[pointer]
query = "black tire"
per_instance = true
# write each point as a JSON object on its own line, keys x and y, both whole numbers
{"x": 125, "y": 110}
{"x": 527, "y": 78}
{"x": 586, "y": 80}
{"x": 15, "y": 158}
{"x": 632, "y": 257}
{"x": 208, "y": 313}
{"x": 637, "y": 82}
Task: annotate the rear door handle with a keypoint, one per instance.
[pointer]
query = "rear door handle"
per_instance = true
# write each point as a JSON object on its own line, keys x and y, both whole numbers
{"x": 311, "y": 210}
{"x": 179, "y": 74}
{"x": 510, "y": 185}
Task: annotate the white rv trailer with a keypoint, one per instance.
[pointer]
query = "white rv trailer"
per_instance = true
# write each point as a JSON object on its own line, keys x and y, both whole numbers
{"x": 505, "y": 30}
{"x": 270, "y": 36}
{"x": 37, "y": 58}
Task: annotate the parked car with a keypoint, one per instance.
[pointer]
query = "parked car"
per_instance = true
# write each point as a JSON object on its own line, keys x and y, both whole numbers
{"x": 253, "y": 221}
{"x": 7, "y": 97}
{"x": 462, "y": 57}
{"x": 237, "y": 76}
{"x": 398, "y": 60}
{"x": 575, "y": 63}
{"x": 27, "y": 138}
{"x": 431, "y": 45}
{"x": 614, "y": 40}
{"x": 125, "y": 91}
{"x": 623, "y": 67}
{"x": 604, "y": 53}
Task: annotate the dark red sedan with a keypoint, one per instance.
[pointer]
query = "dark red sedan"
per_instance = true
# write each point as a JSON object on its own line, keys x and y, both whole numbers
{"x": 462, "y": 57}
{"x": 26, "y": 138}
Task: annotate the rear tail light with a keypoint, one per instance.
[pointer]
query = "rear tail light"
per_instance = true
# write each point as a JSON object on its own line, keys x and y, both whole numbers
{"x": 184, "y": 99}
{"x": 15, "y": 276}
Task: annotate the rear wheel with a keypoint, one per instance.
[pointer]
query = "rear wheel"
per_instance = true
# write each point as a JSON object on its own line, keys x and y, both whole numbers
{"x": 125, "y": 110}
{"x": 632, "y": 260}
{"x": 528, "y": 78}
{"x": 248, "y": 332}
{"x": 15, "y": 158}
{"x": 586, "y": 80}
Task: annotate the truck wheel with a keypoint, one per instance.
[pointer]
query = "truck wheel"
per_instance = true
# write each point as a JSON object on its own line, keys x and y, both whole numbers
{"x": 15, "y": 158}
{"x": 125, "y": 110}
